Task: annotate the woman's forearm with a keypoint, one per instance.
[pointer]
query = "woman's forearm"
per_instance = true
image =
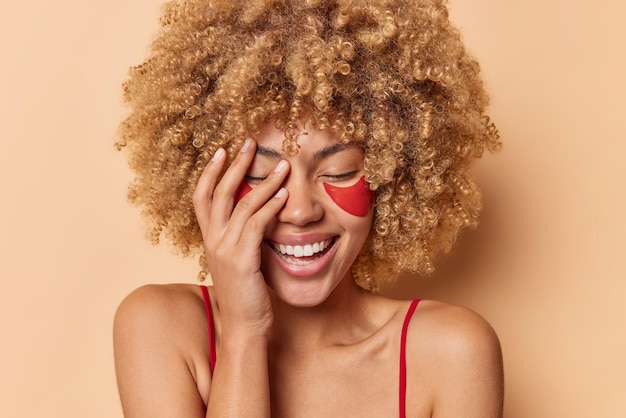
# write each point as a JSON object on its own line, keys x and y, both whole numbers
{"x": 240, "y": 383}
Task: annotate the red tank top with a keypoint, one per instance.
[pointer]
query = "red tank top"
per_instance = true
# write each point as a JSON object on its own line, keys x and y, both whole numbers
{"x": 405, "y": 327}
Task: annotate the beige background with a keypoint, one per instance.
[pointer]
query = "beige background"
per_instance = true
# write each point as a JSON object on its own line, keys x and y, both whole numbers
{"x": 546, "y": 267}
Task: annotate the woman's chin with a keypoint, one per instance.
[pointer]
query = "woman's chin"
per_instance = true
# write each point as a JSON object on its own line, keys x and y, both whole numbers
{"x": 301, "y": 294}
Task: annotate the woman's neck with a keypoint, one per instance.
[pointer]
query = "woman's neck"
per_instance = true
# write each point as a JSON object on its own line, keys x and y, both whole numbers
{"x": 345, "y": 317}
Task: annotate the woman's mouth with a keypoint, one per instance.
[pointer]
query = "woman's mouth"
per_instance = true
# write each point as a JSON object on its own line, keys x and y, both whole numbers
{"x": 302, "y": 254}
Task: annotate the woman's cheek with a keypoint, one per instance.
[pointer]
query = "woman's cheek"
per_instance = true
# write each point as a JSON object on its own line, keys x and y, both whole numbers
{"x": 357, "y": 199}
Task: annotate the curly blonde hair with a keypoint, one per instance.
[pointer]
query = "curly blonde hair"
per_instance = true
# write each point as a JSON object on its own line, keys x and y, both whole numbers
{"x": 389, "y": 75}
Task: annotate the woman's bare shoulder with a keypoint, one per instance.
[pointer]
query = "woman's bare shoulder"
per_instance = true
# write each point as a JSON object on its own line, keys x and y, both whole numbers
{"x": 174, "y": 293}
{"x": 163, "y": 305}
{"x": 160, "y": 339}
{"x": 459, "y": 353}
{"x": 452, "y": 326}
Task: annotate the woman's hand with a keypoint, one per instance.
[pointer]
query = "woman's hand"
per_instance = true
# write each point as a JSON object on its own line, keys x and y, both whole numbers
{"x": 233, "y": 234}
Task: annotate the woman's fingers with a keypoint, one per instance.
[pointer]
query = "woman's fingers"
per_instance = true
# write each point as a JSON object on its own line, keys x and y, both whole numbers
{"x": 203, "y": 194}
{"x": 226, "y": 222}
{"x": 259, "y": 206}
{"x": 254, "y": 229}
{"x": 223, "y": 199}
{"x": 213, "y": 201}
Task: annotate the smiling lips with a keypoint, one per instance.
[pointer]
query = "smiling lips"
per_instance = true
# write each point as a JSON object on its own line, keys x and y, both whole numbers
{"x": 291, "y": 253}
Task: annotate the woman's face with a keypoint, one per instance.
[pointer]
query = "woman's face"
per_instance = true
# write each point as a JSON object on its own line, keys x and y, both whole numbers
{"x": 313, "y": 241}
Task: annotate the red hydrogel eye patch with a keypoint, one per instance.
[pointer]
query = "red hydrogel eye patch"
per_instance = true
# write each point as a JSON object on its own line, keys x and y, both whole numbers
{"x": 243, "y": 189}
{"x": 357, "y": 199}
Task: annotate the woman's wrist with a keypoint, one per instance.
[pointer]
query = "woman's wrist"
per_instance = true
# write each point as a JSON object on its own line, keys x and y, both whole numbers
{"x": 231, "y": 339}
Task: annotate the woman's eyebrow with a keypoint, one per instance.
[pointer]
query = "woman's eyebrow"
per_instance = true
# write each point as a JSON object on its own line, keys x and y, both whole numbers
{"x": 268, "y": 152}
{"x": 319, "y": 155}
{"x": 330, "y": 150}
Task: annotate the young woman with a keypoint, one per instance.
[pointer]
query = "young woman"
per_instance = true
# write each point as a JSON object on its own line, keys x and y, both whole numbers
{"x": 307, "y": 150}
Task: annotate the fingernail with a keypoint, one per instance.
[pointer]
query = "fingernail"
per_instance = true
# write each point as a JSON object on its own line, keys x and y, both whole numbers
{"x": 218, "y": 154}
{"x": 280, "y": 193}
{"x": 281, "y": 166}
{"x": 246, "y": 145}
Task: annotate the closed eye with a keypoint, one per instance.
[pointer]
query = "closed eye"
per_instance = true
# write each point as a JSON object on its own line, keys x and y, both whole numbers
{"x": 342, "y": 176}
{"x": 253, "y": 179}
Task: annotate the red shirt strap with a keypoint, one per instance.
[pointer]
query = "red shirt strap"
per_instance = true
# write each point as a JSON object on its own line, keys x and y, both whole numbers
{"x": 211, "y": 324}
{"x": 405, "y": 327}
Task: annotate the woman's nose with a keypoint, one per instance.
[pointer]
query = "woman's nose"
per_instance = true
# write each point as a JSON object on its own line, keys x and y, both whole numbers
{"x": 302, "y": 206}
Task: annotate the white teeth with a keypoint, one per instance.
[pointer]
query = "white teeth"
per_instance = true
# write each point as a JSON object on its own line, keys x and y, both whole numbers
{"x": 285, "y": 249}
{"x": 302, "y": 250}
